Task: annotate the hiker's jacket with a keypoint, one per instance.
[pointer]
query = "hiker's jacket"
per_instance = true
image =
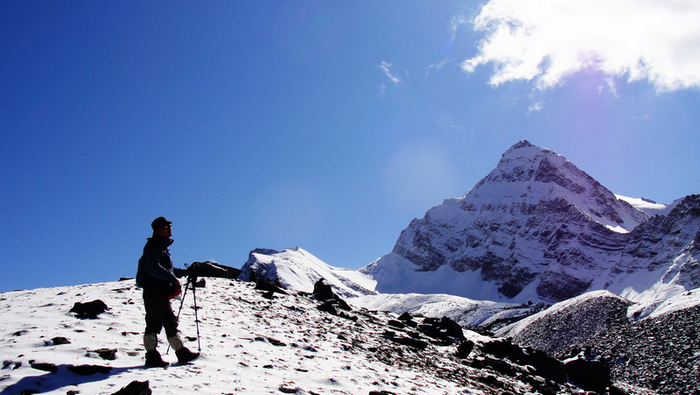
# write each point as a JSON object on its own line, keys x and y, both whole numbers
{"x": 155, "y": 264}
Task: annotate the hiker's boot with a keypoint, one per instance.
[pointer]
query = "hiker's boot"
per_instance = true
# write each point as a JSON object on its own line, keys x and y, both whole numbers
{"x": 183, "y": 354}
{"x": 154, "y": 360}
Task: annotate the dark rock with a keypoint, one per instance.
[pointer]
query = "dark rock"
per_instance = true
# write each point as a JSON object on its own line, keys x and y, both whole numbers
{"x": 465, "y": 348}
{"x": 545, "y": 365}
{"x": 265, "y": 285}
{"x": 323, "y": 291}
{"x": 15, "y": 365}
{"x": 451, "y": 328}
{"x": 107, "y": 353}
{"x": 405, "y": 317}
{"x": 46, "y": 367}
{"x": 396, "y": 324}
{"x": 408, "y": 341}
{"x": 590, "y": 375}
{"x": 445, "y": 330}
{"x": 57, "y": 341}
{"x": 135, "y": 388}
{"x": 88, "y": 370}
{"x": 89, "y": 310}
{"x": 332, "y": 306}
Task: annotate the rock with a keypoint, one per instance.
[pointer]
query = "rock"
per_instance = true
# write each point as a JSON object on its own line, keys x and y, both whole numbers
{"x": 332, "y": 306}
{"x": 465, "y": 348}
{"x": 46, "y": 367}
{"x": 323, "y": 291}
{"x": 88, "y": 370}
{"x": 396, "y": 324}
{"x": 135, "y": 388}
{"x": 107, "y": 353}
{"x": 545, "y": 365}
{"x": 445, "y": 329}
{"x": 57, "y": 341}
{"x": 89, "y": 310}
{"x": 405, "y": 317}
{"x": 451, "y": 328}
{"x": 590, "y": 375}
{"x": 265, "y": 285}
{"x": 409, "y": 341}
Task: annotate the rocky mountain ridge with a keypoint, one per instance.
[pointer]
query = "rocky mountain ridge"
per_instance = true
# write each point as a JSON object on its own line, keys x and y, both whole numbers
{"x": 539, "y": 229}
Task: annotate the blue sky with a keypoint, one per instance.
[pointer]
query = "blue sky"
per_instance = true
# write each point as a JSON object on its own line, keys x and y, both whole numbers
{"x": 318, "y": 124}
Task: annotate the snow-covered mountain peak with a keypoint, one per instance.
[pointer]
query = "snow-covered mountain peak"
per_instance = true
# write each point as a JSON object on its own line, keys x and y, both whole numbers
{"x": 527, "y": 174}
{"x": 536, "y": 228}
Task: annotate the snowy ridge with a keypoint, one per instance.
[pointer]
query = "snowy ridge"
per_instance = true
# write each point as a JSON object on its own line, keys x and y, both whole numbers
{"x": 298, "y": 270}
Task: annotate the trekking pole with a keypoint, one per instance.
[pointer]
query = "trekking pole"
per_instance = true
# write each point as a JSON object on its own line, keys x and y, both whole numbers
{"x": 196, "y": 318}
{"x": 182, "y": 301}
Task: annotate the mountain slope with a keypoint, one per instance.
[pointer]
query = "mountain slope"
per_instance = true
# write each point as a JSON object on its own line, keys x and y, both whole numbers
{"x": 659, "y": 351}
{"x": 250, "y": 345}
{"x": 537, "y": 228}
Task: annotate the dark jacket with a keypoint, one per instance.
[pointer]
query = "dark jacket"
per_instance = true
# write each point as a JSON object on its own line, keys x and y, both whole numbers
{"x": 155, "y": 265}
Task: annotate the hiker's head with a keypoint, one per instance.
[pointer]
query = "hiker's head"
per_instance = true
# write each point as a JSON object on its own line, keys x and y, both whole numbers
{"x": 162, "y": 227}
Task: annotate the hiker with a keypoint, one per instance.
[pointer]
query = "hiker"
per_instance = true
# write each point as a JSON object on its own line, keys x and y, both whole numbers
{"x": 158, "y": 279}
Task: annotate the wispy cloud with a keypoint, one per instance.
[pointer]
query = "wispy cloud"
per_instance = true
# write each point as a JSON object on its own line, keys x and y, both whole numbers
{"x": 546, "y": 41}
{"x": 536, "y": 107}
{"x": 386, "y": 69}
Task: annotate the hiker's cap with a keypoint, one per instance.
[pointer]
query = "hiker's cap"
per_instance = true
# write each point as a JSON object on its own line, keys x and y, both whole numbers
{"x": 160, "y": 222}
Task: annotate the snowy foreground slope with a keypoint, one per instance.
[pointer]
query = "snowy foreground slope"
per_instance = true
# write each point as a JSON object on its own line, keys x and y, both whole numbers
{"x": 649, "y": 343}
{"x": 250, "y": 345}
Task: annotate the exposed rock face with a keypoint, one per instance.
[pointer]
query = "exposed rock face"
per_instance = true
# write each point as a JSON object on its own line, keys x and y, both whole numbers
{"x": 539, "y": 228}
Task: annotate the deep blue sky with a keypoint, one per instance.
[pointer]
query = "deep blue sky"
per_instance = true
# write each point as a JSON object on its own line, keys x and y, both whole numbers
{"x": 318, "y": 124}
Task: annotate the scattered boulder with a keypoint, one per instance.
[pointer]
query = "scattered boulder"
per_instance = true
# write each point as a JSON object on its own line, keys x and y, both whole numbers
{"x": 406, "y": 317}
{"x": 88, "y": 370}
{"x": 89, "y": 310}
{"x": 106, "y": 353}
{"x": 15, "y": 365}
{"x": 332, "y": 307}
{"x": 544, "y": 365}
{"x": 322, "y": 291}
{"x": 57, "y": 341}
{"x": 407, "y": 320}
{"x": 406, "y": 341}
{"x": 265, "y": 285}
{"x": 588, "y": 374}
{"x": 46, "y": 367}
{"x": 465, "y": 348}
{"x": 445, "y": 330}
{"x": 135, "y": 388}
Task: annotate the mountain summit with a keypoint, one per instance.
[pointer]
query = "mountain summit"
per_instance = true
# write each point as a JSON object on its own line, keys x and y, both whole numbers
{"x": 537, "y": 228}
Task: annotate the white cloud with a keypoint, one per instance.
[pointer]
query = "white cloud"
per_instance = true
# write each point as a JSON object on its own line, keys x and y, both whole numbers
{"x": 536, "y": 107}
{"x": 548, "y": 40}
{"x": 386, "y": 69}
